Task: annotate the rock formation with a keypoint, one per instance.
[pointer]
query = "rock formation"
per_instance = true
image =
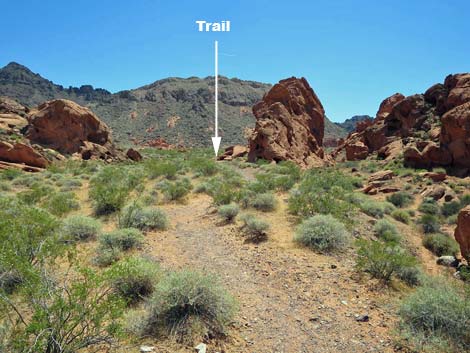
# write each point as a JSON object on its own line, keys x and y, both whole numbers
{"x": 233, "y": 152}
{"x": 69, "y": 128}
{"x": 429, "y": 129}
{"x": 290, "y": 123}
{"x": 462, "y": 232}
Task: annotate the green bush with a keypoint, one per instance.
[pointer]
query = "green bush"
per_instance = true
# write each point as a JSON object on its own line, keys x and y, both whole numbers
{"x": 156, "y": 168}
{"x": 382, "y": 260}
{"x": 134, "y": 278}
{"x": 412, "y": 276}
{"x": 229, "y": 212}
{"x": 322, "y": 233}
{"x": 440, "y": 244}
{"x": 107, "y": 256}
{"x": 143, "y": 218}
{"x": 438, "y": 309}
{"x": 376, "y": 209}
{"x": 401, "y": 216}
{"x": 386, "y": 231}
{"x": 255, "y": 228}
{"x": 430, "y": 223}
{"x": 110, "y": 188}
{"x": 204, "y": 166}
{"x": 61, "y": 203}
{"x": 264, "y": 202}
{"x": 35, "y": 194}
{"x": 464, "y": 200}
{"x": 188, "y": 306}
{"x": 429, "y": 206}
{"x": 450, "y": 208}
{"x": 223, "y": 190}
{"x": 177, "y": 190}
{"x": 323, "y": 191}
{"x": 400, "y": 199}
{"x": 121, "y": 239}
{"x": 80, "y": 228}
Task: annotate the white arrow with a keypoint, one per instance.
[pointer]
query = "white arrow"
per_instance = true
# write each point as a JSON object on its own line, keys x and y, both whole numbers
{"x": 216, "y": 139}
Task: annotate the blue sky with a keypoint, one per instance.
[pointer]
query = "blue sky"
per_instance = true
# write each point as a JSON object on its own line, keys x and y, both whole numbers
{"x": 353, "y": 53}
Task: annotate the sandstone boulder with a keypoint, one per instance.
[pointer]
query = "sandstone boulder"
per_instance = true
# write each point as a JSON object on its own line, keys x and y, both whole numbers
{"x": 20, "y": 153}
{"x": 235, "y": 151}
{"x": 382, "y": 175}
{"x": 356, "y": 151}
{"x": 133, "y": 155}
{"x": 462, "y": 232}
{"x": 67, "y": 127}
{"x": 290, "y": 123}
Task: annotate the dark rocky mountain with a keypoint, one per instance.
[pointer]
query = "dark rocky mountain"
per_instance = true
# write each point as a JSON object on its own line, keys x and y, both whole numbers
{"x": 349, "y": 125}
{"x": 180, "y": 110}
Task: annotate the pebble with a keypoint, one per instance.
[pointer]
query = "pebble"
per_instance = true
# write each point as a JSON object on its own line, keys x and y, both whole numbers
{"x": 147, "y": 349}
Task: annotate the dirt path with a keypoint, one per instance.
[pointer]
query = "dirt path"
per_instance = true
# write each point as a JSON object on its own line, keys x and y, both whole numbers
{"x": 291, "y": 299}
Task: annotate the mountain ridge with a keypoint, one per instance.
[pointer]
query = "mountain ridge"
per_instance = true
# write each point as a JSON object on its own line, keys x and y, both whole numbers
{"x": 155, "y": 109}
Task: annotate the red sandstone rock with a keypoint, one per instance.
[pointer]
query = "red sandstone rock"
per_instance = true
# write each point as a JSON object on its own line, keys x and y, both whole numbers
{"x": 233, "y": 152}
{"x": 134, "y": 155}
{"x": 387, "y": 104}
{"x": 21, "y": 153}
{"x": 290, "y": 123}
{"x": 356, "y": 151}
{"x": 67, "y": 127}
{"x": 462, "y": 232}
{"x": 382, "y": 175}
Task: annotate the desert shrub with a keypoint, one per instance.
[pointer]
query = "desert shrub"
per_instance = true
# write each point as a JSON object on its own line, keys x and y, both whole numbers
{"x": 107, "y": 256}
{"x": 35, "y": 194}
{"x": 386, "y": 231}
{"x": 451, "y": 220}
{"x": 264, "y": 202}
{"x": 429, "y": 206}
{"x": 5, "y": 186}
{"x": 134, "y": 278}
{"x": 10, "y": 280}
{"x": 72, "y": 314}
{"x": 401, "y": 216}
{"x": 204, "y": 166}
{"x": 143, "y": 218}
{"x": 79, "y": 228}
{"x": 223, "y": 190}
{"x": 156, "y": 168}
{"x": 109, "y": 189}
{"x": 450, "y": 208}
{"x": 438, "y": 309}
{"x": 382, "y": 260}
{"x": 228, "y": 212}
{"x": 322, "y": 233}
{"x": 67, "y": 184}
{"x": 430, "y": 223}
{"x": 323, "y": 191}
{"x": 465, "y": 200}
{"x": 412, "y": 276}
{"x": 61, "y": 203}
{"x": 188, "y": 305}
{"x": 201, "y": 188}
{"x": 27, "y": 235}
{"x": 26, "y": 180}
{"x": 440, "y": 244}
{"x": 177, "y": 190}
{"x": 400, "y": 199}
{"x": 10, "y": 174}
{"x": 376, "y": 209}
{"x": 121, "y": 239}
{"x": 254, "y": 228}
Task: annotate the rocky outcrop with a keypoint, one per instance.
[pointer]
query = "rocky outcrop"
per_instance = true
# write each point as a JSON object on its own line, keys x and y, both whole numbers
{"x": 290, "y": 122}
{"x": 134, "y": 155}
{"x": 12, "y": 115}
{"x": 462, "y": 232}
{"x": 428, "y": 130}
{"x": 232, "y": 152}
{"x": 20, "y": 153}
{"x": 69, "y": 128}
{"x": 356, "y": 151}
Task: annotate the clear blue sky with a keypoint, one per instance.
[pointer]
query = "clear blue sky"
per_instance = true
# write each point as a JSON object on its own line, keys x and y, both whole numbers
{"x": 353, "y": 53}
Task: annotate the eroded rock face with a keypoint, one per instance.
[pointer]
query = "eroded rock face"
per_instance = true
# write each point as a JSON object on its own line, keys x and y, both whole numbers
{"x": 232, "y": 152}
{"x": 462, "y": 232}
{"x": 455, "y": 134}
{"x": 69, "y": 128}
{"x": 356, "y": 151}
{"x": 290, "y": 122}
{"x": 387, "y": 104}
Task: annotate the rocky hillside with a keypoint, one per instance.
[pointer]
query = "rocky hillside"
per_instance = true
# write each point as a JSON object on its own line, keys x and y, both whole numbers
{"x": 180, "y": 110}
{"x": 349, "y": 125}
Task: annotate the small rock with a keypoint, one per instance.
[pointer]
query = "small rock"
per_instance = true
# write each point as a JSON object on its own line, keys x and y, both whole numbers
{"x": 344, "y": 302}
{"x": 449, "y": 261}
{"x": 362, "y": 318}
{"x": 201, "y": 348}
{"x": 146, "y": 349}
{"x": 333, "y": 266}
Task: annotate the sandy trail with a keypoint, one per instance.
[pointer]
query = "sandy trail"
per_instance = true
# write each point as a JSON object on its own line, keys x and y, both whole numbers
{"x": 291, "y": 299}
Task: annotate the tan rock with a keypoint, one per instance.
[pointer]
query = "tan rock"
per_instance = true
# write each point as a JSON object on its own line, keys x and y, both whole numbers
{"x": 356, "y": 151}
{"x": 382, "y": 175}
